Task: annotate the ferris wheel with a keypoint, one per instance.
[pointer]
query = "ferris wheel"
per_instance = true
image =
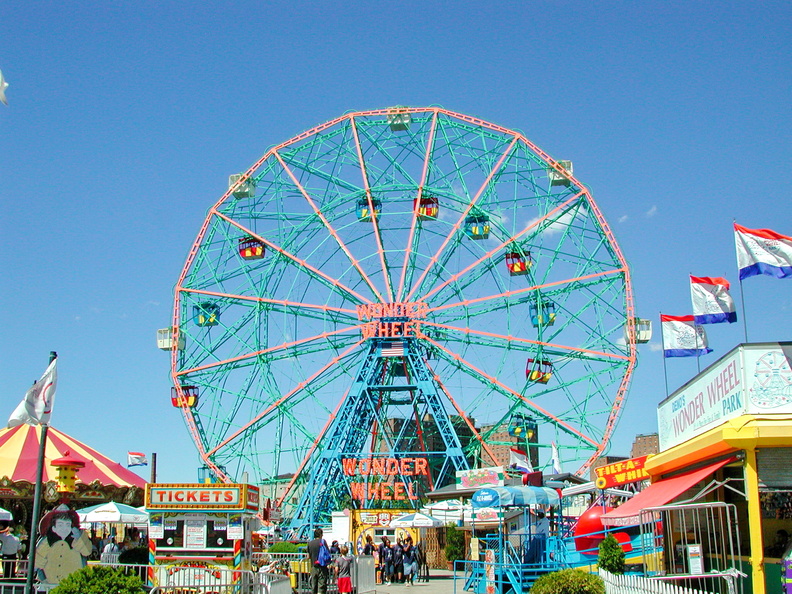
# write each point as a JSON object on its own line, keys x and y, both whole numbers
{"x": 400, "y": 283}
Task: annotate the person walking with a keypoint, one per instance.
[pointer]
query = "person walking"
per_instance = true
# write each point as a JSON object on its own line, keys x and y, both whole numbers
{"x": 386, "y": 556}
{"x": 319, "y": 555}
{"x": 343, "y": 569}
{"x": 398, "y": 562}
{"x": 410, "y": 561}
{"x": 9, "y": 545}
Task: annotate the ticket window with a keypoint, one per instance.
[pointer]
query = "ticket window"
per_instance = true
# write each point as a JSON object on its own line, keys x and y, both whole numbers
{"x": 188, "y": 535}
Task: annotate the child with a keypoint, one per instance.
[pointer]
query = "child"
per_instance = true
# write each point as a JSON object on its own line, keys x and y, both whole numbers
{"x": 343, "y": 571}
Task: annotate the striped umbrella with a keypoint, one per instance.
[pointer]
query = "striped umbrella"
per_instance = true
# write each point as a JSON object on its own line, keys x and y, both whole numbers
{"x": 19, "y": 448}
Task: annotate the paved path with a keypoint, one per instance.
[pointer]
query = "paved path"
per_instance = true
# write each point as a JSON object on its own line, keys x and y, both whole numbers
{"x": 441, "y": 581}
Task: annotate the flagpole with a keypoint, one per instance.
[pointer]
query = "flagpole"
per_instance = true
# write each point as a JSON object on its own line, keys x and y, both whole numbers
{"x": 154, "y": 467}
{"x": 37, "y": 502}
{"x": 665, "y": 370}
{"x": 745, "y": 321}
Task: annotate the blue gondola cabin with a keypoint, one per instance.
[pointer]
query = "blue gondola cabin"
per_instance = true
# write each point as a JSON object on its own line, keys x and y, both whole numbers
{"x": 188, "y": 397}
{"x": 427, "y": 208}
{"x": 477, "y": 227}
{"x": 517, "y": 263}
{"x": 543, "y": 314}
{"x": 206, "y": 314}
{"x": 251, "y": 248}
{"x": 364, "y": 212}
{"x": 539, "y": 371}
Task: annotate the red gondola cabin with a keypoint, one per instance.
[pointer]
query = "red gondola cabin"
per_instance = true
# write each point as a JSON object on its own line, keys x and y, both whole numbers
{"x": 427, "y": 208}
{"x": 539, "y": 371}
{"x": 517, "y": 263}
{"x": 251, "y": 248}
{"x": 189, "y": 397}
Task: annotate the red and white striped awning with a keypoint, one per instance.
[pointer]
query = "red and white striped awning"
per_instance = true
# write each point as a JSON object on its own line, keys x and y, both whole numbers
{"x": 19, "y": 447}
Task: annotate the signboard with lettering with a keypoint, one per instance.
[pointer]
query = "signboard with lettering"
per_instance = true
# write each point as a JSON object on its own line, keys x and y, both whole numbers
{"x": 204, "y": 497}
{"x": 621, "y": 473}
{"x": 385, "y": 479}
{"x": 752, "y": 379}
{"x": 479, "y": 477}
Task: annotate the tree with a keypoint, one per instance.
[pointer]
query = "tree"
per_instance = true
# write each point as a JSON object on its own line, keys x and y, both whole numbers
{"x": 97, "y": 579}
{"x": 569, "y": 581}
{"x": 455, "y": 544}
{"x": 611, "y": 555}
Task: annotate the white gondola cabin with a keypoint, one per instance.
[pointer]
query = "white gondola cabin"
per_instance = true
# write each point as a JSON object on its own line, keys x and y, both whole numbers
{"x": 165, "y": 340}
{"x": 556, "y": 177}
{"x": 538, "y": 370}
{"x": 643, "y": 331}
{"x": 247, "y": 189}
{"x": 399, "y": 119}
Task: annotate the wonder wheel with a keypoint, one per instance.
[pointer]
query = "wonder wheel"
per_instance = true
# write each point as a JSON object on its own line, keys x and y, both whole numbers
{"x": 391, "y": 297}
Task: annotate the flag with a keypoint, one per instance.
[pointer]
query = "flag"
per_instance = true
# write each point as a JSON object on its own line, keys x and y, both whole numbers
{"x": 554, "y": 459}
{"x": 136, "y": 459}
{"x": 712, "y": 303}
{"x": 519, "y": 460}
{"x": 761, "y": 251}
{"x": 682, "y": 337}
{"x": 393, "y": 349}
{"x": 36, "y": 406}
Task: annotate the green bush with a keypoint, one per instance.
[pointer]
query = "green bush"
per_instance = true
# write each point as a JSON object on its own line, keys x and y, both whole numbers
{"x": 284, "y": 547}
{"x": 611, "y": 555}
{"x": 136, "y": 556}
{"x": 96, "y": 579}
{"x": 455, "y": 544}
{"x": 569, "y": 581}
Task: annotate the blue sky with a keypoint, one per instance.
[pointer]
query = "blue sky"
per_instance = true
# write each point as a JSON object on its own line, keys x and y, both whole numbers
{"x": 125, "y": 120}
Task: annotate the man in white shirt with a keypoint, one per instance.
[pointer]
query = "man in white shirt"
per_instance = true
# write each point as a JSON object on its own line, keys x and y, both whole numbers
{"x": 9, "y": 547}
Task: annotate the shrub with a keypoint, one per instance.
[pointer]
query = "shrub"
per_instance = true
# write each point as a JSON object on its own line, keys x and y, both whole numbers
{"x": 569, "y": 581}
{"x": 96, "y": 579}
{"x": 455, "y": 544}
{"x": 611, "y": 555}
{"x": 136, "y": 556}
{"x": 284, "y": 547}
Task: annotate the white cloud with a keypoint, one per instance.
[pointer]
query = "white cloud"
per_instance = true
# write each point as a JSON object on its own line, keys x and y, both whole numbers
{"x": 655, "y": 346}
{"x": 651, "y": 212}
{"x": 623, "y": 218}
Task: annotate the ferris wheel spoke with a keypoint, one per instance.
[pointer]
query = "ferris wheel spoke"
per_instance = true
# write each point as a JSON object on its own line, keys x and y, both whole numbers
{"x": 355, "y": 263}
{"x": 433, "y": 260}
{"x": 485, "y": 377}
{"x": 408, "y": 254}
{"x": 311, "y": 270}
{"x": 283, "y": 400}
{"x": 374, "y": 218}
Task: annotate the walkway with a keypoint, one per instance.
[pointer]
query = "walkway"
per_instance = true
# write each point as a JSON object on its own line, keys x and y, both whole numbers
{"x": 441, "y": 581}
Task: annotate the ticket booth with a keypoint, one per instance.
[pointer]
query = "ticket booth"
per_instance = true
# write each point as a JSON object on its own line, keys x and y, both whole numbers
{"x": 200, "y": 534}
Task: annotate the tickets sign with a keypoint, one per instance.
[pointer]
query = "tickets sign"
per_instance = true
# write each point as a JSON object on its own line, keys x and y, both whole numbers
{"x": 621, "y": 473}
{"x": 204, "y": 497}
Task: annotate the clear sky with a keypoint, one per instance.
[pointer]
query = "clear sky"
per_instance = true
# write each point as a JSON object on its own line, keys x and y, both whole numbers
{"x": 125, "y": 120}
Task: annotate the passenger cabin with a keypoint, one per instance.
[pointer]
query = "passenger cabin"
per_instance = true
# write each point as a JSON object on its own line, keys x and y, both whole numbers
{"x": 399, "y": 119}
{"x": 364, "y": 212}
{"x": 188, "y": 397}
{"x": 556, "y": 177}
{"x": 247, "y": 189}
{"x": 165, "y": 340}
{"x": 517, "y": 263}
{"x": 251, "y": 248}
{"x": 477, "y": 226}
{"x": 539, "y": 371}
{"x": 542, "y": 314}
{"x": 427, "y": 208}
{"x": 643, "y": 331}
{"x": 206, "y": 314}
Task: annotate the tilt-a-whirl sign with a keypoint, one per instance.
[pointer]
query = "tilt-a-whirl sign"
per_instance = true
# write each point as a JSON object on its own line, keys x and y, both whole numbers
{"x": 384, "y": 479}
{"x": 621, "y": 473}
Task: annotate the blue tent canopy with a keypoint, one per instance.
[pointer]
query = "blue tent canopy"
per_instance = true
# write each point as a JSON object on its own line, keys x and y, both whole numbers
{"x": 515, "y": 496}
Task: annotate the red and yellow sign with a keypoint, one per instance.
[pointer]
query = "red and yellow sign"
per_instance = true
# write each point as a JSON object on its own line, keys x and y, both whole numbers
{"x": 386, "y": 469}
{"x": 621, "y": 473}
{"x": 220, "y": 497}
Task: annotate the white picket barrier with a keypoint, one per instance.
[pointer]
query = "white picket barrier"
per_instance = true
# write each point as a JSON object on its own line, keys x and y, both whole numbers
{"x": 635, "y": 584}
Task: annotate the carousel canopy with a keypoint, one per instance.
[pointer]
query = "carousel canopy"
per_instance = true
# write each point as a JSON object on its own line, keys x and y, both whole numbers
{"x": 19, "y": 448}
{"x": 514, "y": 496}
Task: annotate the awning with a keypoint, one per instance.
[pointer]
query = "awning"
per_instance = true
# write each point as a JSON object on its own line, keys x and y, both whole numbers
{"x": 514, "y": 496}
{"x": 656, "y": 494}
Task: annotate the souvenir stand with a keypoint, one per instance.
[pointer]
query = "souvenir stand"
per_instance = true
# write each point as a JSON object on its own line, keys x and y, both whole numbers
{"x": 200, "y": 533}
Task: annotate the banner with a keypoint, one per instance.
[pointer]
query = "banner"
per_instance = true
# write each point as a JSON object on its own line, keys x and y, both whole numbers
{"x": 712, "y": 303}
{"x": 762, "y": 251}
{"x": 682, "y": 337}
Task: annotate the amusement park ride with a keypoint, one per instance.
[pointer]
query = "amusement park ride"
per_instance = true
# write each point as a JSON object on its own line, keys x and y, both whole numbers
{"x": 396, "y": 285}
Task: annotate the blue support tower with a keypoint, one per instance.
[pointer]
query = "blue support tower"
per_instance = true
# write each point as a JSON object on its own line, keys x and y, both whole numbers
{"x": 394, "y": 411}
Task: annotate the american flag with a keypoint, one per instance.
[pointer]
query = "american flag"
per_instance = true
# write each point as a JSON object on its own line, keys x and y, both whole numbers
{"x": 393, "y": 349}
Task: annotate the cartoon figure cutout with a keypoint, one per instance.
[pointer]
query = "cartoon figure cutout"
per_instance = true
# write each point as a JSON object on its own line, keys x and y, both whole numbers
{"x": 63, "y": 547}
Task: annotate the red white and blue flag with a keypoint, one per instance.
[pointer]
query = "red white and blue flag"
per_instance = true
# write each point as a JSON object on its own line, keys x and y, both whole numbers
{"x": 682, "y": 337}
{"x": 519, "y": 460}
{"x": 36, "y": 406}
{"x": 393, "y": 349}
{"x": 712, "y": 303}
{"x": 762, "y": 251}
{"x": 136, "y": 459}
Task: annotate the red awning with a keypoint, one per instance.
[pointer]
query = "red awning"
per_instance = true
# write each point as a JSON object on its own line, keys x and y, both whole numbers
{"x": 657, "y": 494}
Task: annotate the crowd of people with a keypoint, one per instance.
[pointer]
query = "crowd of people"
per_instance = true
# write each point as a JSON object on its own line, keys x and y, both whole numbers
{"x": 399, "y": 562}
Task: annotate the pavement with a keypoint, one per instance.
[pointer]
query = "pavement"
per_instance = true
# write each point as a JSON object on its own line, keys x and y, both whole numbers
{"x": 441, "y": 581}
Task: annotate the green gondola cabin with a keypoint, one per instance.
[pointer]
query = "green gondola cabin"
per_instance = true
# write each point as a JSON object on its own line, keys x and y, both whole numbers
{"x": 543, "y": 314}
{"x": 206, "y": 314}
{"x": 477, "y": 227}
{"x": 364, "y": 212}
